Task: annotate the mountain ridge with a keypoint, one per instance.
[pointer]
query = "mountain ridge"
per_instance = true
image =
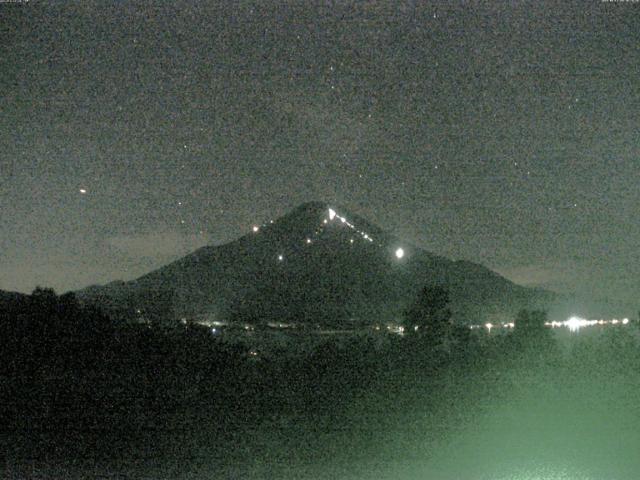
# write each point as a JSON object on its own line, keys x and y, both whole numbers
{"x": 317, "y": 263}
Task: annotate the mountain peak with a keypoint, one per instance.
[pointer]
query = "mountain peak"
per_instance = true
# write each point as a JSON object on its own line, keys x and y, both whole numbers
{"x": 318, "y": 261}
{"x": 333, "y": 212}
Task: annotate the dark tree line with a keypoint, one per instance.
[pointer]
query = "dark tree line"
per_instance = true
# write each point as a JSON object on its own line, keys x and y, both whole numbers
{"x": 430, "y": 315}
{"x": 45, "y": 328}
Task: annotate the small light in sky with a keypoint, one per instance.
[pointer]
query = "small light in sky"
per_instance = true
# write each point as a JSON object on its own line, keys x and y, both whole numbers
{"x": 280, "y": 257}
{"x": 256, "y": 228}
{"x": 308, "y": 240}
{"x": 83, "y": 190}
{"x": 400, "y": 252}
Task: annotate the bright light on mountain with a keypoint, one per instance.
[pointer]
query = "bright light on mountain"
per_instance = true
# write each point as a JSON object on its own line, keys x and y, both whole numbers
{"x": 400, "y": 252}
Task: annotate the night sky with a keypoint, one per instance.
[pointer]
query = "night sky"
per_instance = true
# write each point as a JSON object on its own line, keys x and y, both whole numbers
{"x": 504, "y": 133}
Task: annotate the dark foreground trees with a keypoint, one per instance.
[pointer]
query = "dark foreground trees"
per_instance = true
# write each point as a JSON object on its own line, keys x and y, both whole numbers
{"x": 44, "y": 330}
{"x": 530, "y": 322}
{"x": 429, "y": 316}
{"x": 532, "y": 339}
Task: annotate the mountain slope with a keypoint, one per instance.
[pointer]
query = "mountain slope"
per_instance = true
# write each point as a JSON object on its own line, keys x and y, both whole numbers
{"x": 316, "y": 265}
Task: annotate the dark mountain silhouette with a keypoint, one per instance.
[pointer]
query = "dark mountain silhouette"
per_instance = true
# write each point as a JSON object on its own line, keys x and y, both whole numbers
{"x": 320, "y": 265}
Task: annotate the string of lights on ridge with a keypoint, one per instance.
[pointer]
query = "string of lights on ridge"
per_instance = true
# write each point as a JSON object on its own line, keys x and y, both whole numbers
{"x": 399, "y": 252}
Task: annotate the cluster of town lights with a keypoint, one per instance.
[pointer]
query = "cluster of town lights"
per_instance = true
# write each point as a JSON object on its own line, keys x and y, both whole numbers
{"x": 576, "y": 323}
{"x": 573, "y": 324}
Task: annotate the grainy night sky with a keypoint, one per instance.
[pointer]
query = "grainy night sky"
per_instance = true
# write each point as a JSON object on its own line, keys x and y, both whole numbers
{"x": 500, "y": 132}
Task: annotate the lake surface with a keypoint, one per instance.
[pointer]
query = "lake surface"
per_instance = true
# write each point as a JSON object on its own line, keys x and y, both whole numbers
{"x": 502, "y": 414}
